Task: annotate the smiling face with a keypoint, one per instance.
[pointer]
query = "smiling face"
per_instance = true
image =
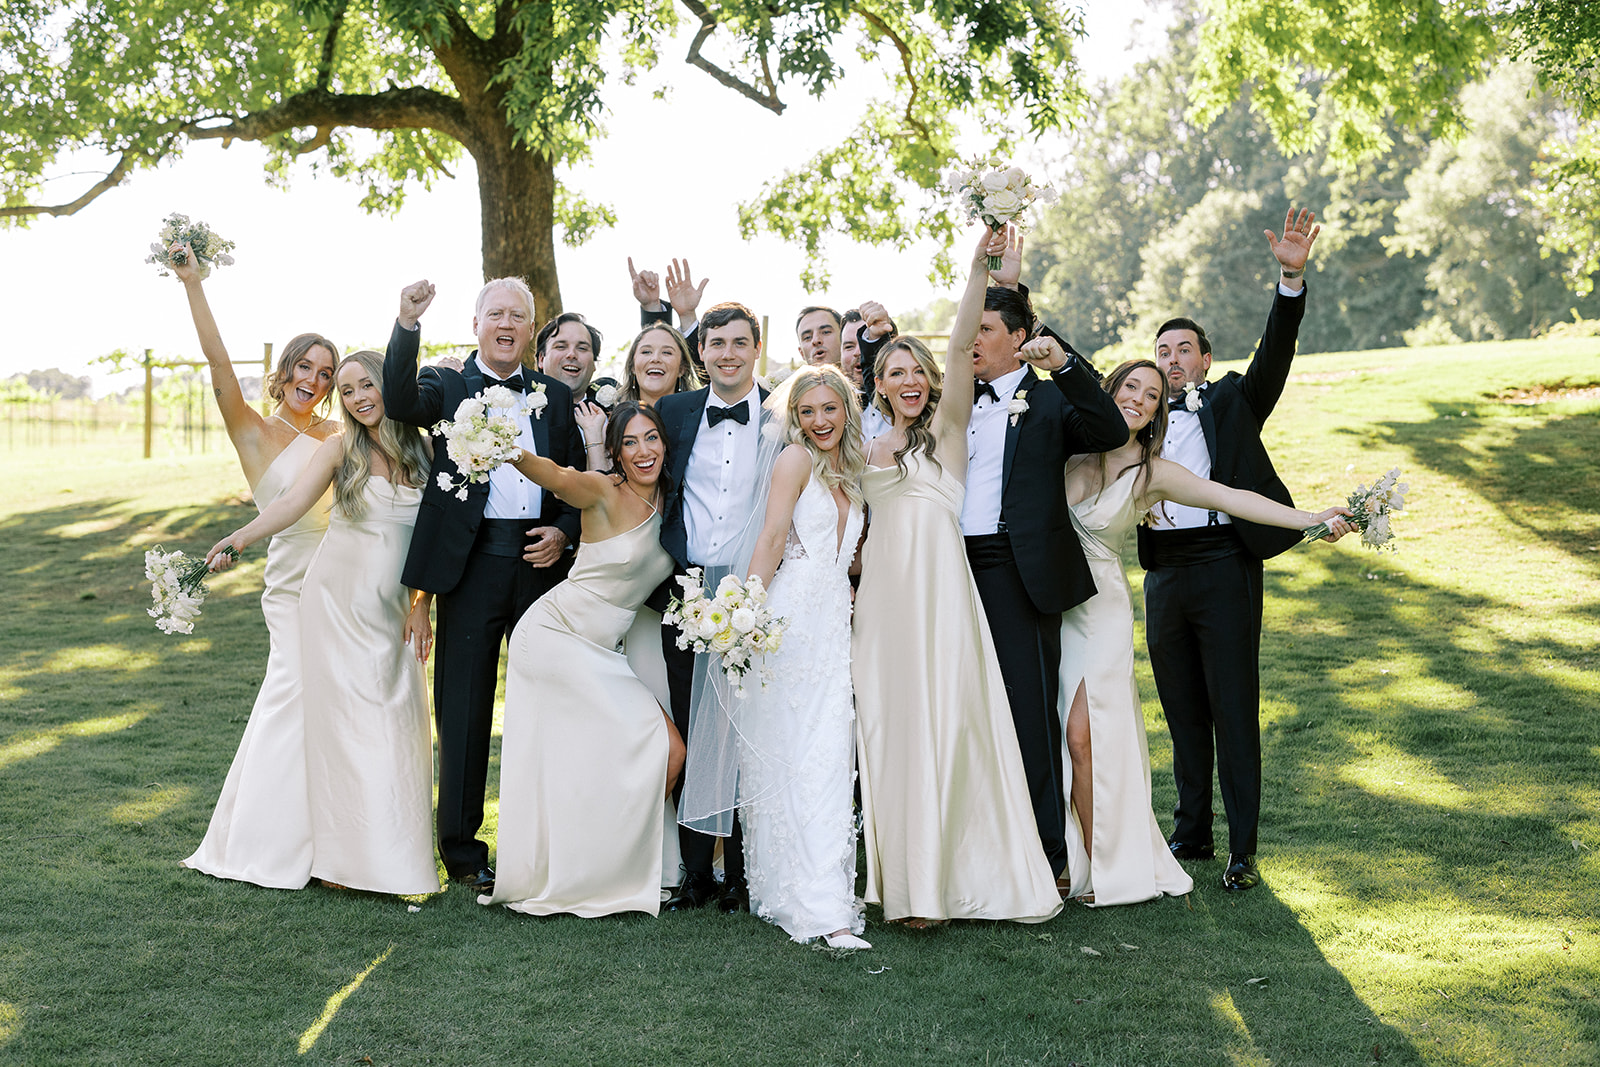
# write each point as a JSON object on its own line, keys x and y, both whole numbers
{"x": 730, "y": 355}
{"x": 1139, "y": 397}
{"x": 360, "y": 395}
{"x": 643, "y": 452}
{"x": 1180, "y": 359}
{"x": 504, "y": 325}
{"x": 309, "y": 380}
{"x": 994, "y": 352}
{"x": 818, "y": 335}
{"x": 904, "y": 382}
{"x": 821, "y": 416}
{"x": 568, "y": 357}
{"x": 657, "y": 362}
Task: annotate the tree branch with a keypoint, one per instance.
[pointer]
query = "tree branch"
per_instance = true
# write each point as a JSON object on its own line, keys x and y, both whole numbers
{"x": 905, "y": 61}
{"x": 325, "y": 67}
{"x": 767, "y": 98}
{"x": 110, "y": 181}
{"x": 393, "y": 109}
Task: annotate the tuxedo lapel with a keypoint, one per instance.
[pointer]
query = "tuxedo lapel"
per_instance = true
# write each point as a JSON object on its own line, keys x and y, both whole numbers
{"x": 1208, "y": 424}
{"x": 683, "y": 436}
{"x": 1013, "y": 430}
{"x": 541, "y": 423}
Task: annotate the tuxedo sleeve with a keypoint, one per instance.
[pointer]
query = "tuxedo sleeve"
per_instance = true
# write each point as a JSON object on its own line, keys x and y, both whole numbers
{"x": 1093, "y": 422}
{"x": 867, "y": 360}
{"x": 648, "y": 317}
{"x": 408, "y": 398}
{"x": 1263, "y": 382}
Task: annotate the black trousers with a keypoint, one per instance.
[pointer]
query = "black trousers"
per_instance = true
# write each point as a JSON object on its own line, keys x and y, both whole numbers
{"x": 698, "y": 849}
{"x": 473, "y": 622}
{"x": 1028, "y": 644}
{"x": 1203, "y": 629}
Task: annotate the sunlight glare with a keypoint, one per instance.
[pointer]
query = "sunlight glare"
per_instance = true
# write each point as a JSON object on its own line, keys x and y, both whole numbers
{"x": 331, "y": 1008}
{"x": 46, "y": 740}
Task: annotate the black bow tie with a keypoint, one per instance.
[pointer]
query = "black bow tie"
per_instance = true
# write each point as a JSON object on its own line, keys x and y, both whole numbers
{"x": 739, "y": 413}
{"x": 984, "y": 389}
{"x": 514, "y": 383}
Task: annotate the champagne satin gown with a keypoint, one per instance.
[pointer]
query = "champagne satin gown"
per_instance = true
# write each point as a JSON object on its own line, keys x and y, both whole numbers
{"x": 583, "y": 754}
{"x": 260, "y": 830}
{"x": 1131, "y": 861}
{"x": 369, "y": 741}
{"x": 949, "y": 826}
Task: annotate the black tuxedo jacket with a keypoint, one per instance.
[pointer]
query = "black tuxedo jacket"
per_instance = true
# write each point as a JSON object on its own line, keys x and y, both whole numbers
{"x": 1236, "y": 406}
{"x": 446, "y": 527}
{"x": 1068, "y": 413}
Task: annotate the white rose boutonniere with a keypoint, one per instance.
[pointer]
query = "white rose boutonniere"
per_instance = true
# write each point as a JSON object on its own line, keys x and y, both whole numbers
{"x": 1191, "y": 397}
{"x": 536, "y": 400}
{"x": 606, "y": 396}
{"x": 1018, "y": 406}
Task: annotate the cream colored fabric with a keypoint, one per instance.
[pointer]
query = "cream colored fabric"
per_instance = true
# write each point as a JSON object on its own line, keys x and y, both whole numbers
{"x": 583, "y": 758}
{"x": 369, "y": 745}
{"x": 1131, "y": 861}
{"x": 642, "y": 646}
{"x": 950, "y": 833}
{"x": 260, "y": 830}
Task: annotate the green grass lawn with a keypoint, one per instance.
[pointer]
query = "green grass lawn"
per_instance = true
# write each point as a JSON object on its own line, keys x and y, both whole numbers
{"x": 1430, "y": 840}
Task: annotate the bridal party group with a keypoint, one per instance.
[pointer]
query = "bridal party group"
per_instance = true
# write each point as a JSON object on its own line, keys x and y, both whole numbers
{"x": 952, "y": 693}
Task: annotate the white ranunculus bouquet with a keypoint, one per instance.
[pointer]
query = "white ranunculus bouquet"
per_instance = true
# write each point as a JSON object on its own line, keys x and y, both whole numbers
{"x": 177, "y": 585}
{"x": 733, "y": 623}
{"x": 481, "y": 437}
{"x": 996, "y": 192}
{"x": 1370, "y": 509}
{"x": 209, "y": 248}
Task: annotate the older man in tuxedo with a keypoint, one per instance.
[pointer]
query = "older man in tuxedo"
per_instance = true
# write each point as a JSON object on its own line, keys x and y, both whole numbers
{"x": 486, "y": 558}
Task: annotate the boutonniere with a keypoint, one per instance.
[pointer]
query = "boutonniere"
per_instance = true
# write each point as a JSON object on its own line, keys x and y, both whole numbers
{"x": 1191, "y": 397}
{"x": 1018, "y": 406}
{"x": 536, "y": 400}
{"x": 606, "y": 396}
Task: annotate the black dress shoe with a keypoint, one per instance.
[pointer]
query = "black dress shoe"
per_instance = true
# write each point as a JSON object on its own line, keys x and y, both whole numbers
{"x": 735, "y": 897}
{"x": 1183, "y": 851}
{"x": 698, "y": 890}
{"x": 1241, "y": 873}
{"x": 479, "y": 881}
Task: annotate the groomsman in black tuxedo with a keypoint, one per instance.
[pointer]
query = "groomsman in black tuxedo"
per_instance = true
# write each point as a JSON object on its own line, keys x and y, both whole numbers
{"x": 486, "y": 558}
{"x": 713, "y": 436}
{"x": 1025, "y": 555}
{"x": 1203, "y": 575}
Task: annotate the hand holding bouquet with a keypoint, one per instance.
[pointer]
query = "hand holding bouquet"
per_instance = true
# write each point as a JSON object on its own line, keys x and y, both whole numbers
{"x": 179, "y": 237}
{"x": 177, "y": 585}
{"x": 991, "y": 190}
{"x": 734, "y": 623}
{"x": 481, "y": 437}
{"x": 1370, "y": 509}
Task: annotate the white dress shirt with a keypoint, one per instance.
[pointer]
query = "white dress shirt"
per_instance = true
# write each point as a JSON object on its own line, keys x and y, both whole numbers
{"x": 986, "y": 456}
{"x": 511, "y": 496}
{"x": 719, "y": 483}
{"x": 873, "y": 424}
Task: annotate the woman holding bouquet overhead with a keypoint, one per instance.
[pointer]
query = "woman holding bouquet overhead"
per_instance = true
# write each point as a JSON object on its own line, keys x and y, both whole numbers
{"x": 368, "y": 769}
{"x": 588, "y": 756}
{"x": 950, "y": 832}
{"x": 260, "y": 830}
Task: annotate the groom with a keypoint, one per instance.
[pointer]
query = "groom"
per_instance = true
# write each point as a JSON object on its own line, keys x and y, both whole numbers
{"x": 713, "y": 436}
{"x": 487, "y": 557}
{"x": 1203, "y": 575}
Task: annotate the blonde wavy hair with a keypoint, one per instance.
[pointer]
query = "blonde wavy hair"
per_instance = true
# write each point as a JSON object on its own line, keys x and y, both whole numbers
{"x": 920, "y": 433}
{"x": 400, "y": 444}
{"x": 852, "y": 457}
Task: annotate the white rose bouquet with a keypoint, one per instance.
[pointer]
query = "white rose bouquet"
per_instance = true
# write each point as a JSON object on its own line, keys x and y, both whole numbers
{"x": 481, "y": 437}
{"x": 177, "y": 585}
{"x": 1370, "y": 511}
{"x": 733, "y": 623}
{"x": 996, "y": 192}
{"x": 209, "y": 248}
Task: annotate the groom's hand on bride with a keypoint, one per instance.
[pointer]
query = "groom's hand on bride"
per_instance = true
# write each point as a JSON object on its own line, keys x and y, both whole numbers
{"x": 545, "y": 545}
{"x": 414, "y": 300}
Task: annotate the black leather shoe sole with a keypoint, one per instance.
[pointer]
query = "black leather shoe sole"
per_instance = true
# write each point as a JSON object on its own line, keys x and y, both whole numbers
{"x": 1183, "y": 851}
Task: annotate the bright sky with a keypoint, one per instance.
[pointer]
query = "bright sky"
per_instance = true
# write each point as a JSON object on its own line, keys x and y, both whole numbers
{"x": 311, "y": 259}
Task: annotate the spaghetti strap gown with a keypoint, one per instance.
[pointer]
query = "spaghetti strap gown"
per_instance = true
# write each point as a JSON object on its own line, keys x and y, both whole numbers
{"x": 949, "y": 826}
{"x": 369, "y": 741}
{"x": 1131, "y": 861}
{"x": 583, "y": 756}
{"x": 260, "y": 830}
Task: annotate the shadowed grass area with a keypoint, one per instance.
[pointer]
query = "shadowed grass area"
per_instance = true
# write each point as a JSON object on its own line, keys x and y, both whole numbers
{"x": 1429, "y": 840}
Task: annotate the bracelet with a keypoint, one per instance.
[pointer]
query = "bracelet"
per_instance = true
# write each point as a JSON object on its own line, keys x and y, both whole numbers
{"x": 1293, "y": 274}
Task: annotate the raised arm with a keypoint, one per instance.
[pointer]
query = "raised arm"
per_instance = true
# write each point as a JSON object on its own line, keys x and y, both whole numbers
{"x": 955, "y": 406}
{"x": 242, "y": 421}
{"x": 285, "y": 511}
{"x": 1172, "y": 481}
{"x": 684, "y": 295}
{"x": 789, "y": 476}
{"x": 1269, "y": 371}
{"x": 581, "y": 489}
{"x": 404, "y": 400}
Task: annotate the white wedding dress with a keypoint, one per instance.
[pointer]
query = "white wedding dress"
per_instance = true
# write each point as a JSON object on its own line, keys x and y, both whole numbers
{"x": 797, "y": 736}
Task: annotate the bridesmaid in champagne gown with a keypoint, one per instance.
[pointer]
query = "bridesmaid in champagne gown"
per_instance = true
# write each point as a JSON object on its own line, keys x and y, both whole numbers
{"x": 949, "y": 825}
{"x": 260, "y": 829}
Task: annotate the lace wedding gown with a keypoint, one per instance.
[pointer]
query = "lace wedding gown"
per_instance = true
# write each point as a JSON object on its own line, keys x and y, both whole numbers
{"x": 797, "y": 736}
{"x": 369, "y": 744}
{"x": 583, "y": 755}
{"x": 949, "y": 826}
{"x": 1131, "y": 861}
{"x": 260, "y": 830}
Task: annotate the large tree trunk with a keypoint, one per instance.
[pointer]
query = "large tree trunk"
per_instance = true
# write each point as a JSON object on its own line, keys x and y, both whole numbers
{"x": 516, "y": 195}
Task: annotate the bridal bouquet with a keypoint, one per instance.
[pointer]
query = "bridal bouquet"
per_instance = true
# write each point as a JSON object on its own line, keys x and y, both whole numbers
{"x": 734, "y": 623}
{"x": 208, "y": 248}
{"x": 177, "y": 585}
{"x": 479, "y": 439}
{"x": 991, "y": 190}
{"x": 1371, "y": 508}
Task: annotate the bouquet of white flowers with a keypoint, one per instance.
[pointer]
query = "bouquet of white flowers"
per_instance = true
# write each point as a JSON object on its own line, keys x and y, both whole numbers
{"x": 1370, "y": 510}
{"x": 734, "y": 623}
{"x": 996, "y": 192}
{"x": 208, "y": 248}
{"x": 482, "y": 436}
{"x": 177, "y": 585}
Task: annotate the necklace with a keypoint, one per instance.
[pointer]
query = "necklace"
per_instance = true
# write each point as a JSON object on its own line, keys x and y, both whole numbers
{"x": 278, "y": 414}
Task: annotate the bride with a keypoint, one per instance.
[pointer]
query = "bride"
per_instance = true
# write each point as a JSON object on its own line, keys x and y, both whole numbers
{"x": 797, "y": 734}
{"x": 1117, "y": 852}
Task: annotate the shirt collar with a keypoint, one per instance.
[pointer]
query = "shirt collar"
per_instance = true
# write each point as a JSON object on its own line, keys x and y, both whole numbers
{"x": 713, "y": 398}
{"x": 1005, "y": 386}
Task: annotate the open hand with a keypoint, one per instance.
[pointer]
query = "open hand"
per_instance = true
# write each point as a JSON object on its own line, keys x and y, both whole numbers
{"x": 545, "y": 545}
{"x": 414, "y": 300}
{"x": 646, "y": 287}
{"x": 1294, "y": 247}
{"x": 682, "y": 293}
{"x": 591, "y": 418}
{"x": 418, "y": 629}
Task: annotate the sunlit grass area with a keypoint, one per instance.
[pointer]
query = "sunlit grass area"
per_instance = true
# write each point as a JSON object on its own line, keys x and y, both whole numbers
{"x": 1430, "y": 840}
